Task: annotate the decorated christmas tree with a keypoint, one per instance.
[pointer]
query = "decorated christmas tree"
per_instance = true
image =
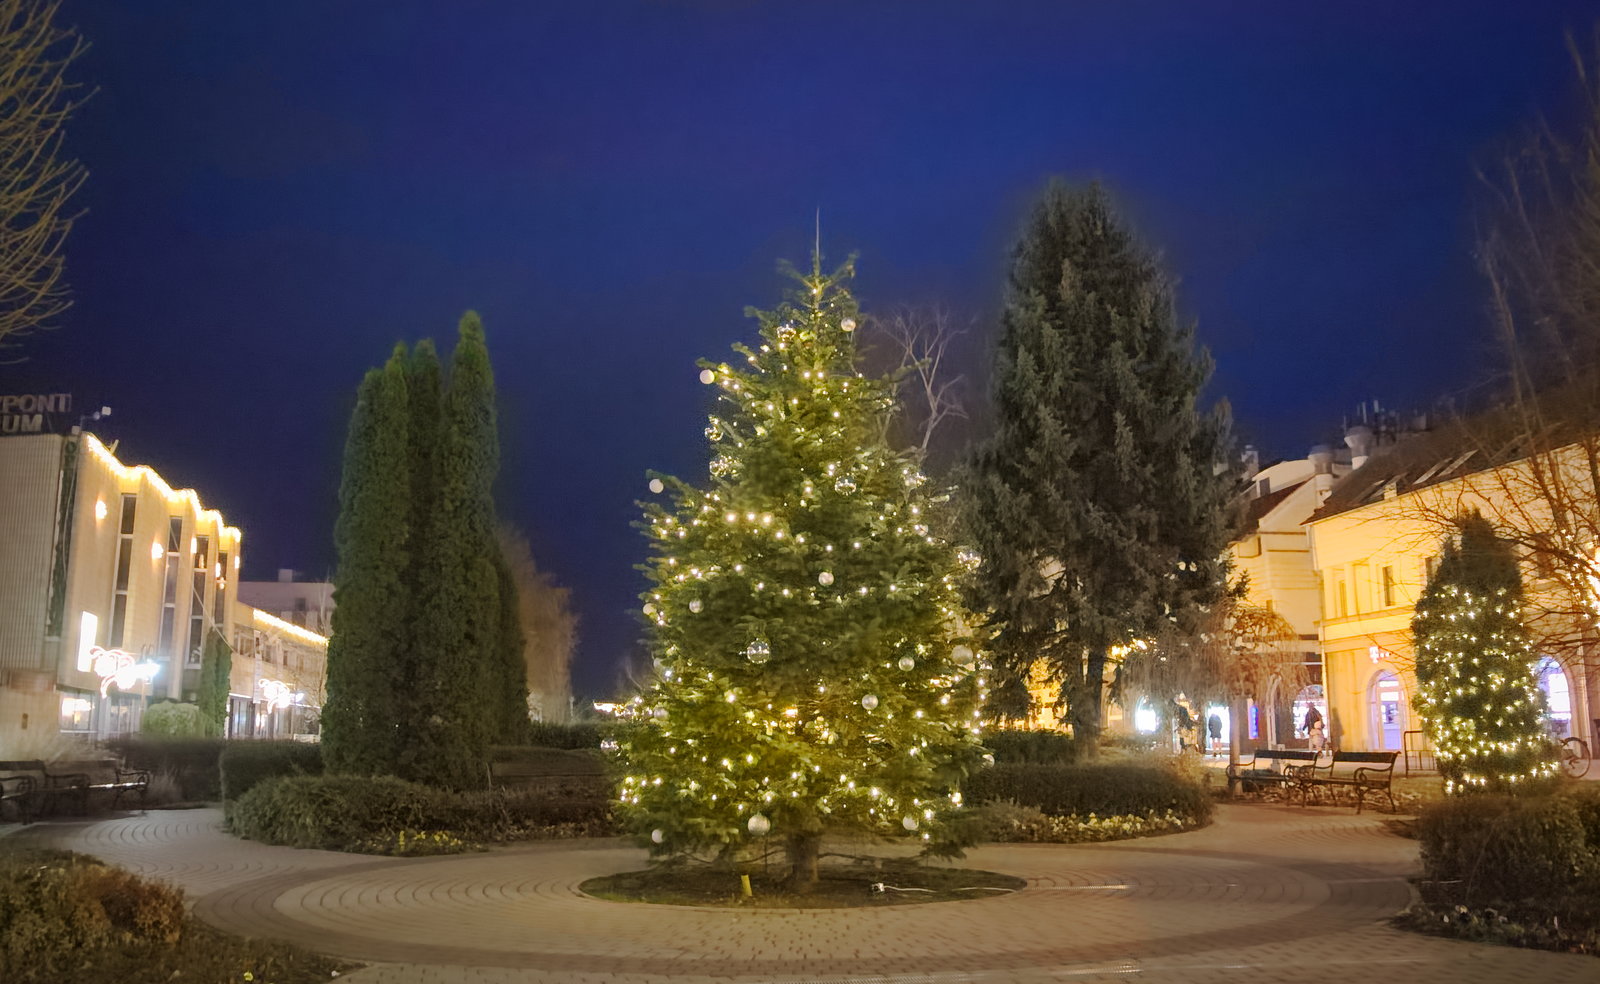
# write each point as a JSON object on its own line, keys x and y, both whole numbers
{"x": 1476, "y": 690}
{"x": 813, "y": 672}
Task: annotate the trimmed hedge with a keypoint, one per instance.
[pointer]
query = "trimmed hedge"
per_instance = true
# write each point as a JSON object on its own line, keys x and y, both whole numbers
{"x": 194, "y": 763}
{"x": 1522, "y": 870}
{"x": 246, "y": 764}
{"x": 384, "y": 815}
{"x": 1103, "y": 789}
{"x": 580, "y": 734}
{"x": 1049, "y": 747}
{"x": 1507, "y": 848}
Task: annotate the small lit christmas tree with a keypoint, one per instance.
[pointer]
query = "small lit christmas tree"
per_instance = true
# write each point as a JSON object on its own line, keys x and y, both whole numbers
{"x": 1476, "y": 690}
{"x": 812, "y": 668}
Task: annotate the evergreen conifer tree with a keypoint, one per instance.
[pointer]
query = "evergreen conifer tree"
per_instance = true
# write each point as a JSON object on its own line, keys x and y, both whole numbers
{"x": 459, "y": 636}
{"x": 1476, "y": 690}
{"x": 812, "y": 671}
{"x": 216, "y": 665}
{"x": 1096, "y": 505}
{"x": 370, "y": 619}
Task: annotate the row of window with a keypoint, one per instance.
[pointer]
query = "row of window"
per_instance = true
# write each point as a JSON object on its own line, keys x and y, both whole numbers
{"x": 201, "y": 576}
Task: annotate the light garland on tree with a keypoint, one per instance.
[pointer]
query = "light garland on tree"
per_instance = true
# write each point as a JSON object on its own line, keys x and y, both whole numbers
{"x": 812, "y": 666}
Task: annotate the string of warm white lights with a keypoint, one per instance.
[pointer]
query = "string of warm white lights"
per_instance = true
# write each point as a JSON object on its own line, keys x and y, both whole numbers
{"x": 812, "y": 663}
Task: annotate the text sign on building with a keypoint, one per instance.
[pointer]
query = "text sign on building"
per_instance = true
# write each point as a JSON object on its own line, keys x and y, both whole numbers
{"x": 35, "y": 413}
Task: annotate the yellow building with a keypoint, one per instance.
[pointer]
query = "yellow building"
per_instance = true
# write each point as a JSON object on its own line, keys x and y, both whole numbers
{"x": 277, "y": 678}
{"x": 1375, "y": 542}
{"x": 111, "y": 584}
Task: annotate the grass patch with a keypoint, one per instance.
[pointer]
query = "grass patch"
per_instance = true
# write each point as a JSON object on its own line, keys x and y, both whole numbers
{"x": 840, "y": 886}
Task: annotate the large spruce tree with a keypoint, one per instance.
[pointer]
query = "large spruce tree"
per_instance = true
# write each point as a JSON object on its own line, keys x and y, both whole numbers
{"x": 1097, "y": 504}
{"x": 803, "y": 613}
{"x": 371, "y": 616}
{"x": 1477, "y": 694}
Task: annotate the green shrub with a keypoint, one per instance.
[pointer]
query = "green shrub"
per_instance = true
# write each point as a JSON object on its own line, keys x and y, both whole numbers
{"x": 170, "y": 719}
{"x": 1496, "y": 848}
{"x": 1006, "y": 822}
{"x": 193, "y": 762}
{"x": 1102, "y": 789}
{"x": 55, "y": 905}
{"x": 579, "y": 734}
{"x": 384, "y": 815}
{"x": 1050, "y": 747}
{"x": 335, "y": 812}
{"x": 247, "y": 764}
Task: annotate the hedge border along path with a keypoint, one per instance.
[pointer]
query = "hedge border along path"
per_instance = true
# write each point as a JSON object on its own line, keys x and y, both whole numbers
{"x": 1264, "y": 887}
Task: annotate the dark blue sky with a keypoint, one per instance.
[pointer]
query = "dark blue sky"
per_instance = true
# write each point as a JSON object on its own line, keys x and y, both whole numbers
{"x": 280, "y": 191}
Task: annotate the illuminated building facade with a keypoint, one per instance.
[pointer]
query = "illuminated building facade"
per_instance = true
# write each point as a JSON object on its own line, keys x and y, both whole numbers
{"x": 112, "y": 582}
{"x": 277, "y": 678}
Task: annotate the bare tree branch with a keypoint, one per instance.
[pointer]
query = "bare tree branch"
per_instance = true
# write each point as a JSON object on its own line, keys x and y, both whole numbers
{"x": 919, "y": 344}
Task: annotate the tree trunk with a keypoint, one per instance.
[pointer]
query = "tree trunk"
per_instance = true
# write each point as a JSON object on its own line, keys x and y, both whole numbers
{"x": 802, "y": 852}
{"x": 1236, "y": 720}
{"x": 1086, "y": 706}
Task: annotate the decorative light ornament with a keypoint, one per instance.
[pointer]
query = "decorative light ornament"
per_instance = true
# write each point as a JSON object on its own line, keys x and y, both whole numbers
{"x": 845, "y": 484}
{"x": 759, "y": 651}
{"x": 649, "y": 609}
{"x": 848, "y": 324}
{"x": 908, "y": 822}
{"x": 870, "y": 702}
{"x": 714, "y": 433}
{"x": 660, "y": 714}
{"x": 657, "y": 486}
{"x": 907, "y": 663}
{"x": 657, "y": 836}
{"x": 695, "y": 605}
{"x": 707, "y": 376}
{"x": 963, "y": 656}
{"x": 825, "y": 578}
{"x": 759, "y": 825}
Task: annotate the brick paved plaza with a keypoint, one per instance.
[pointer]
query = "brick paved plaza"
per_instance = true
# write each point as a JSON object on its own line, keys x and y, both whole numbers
{"x": 1268, "y": 893}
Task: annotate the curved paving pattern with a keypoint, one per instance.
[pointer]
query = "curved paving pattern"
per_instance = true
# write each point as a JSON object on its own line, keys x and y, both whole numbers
{"x": 1268, "y": 893}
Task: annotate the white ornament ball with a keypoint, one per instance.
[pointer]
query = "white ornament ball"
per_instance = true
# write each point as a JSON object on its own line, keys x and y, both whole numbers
{"x": 657, "y": 836}
{"x": 695, "y": 606}
{"x": 660, "y": 714}
{"x": 845, "y": 484}
{"x": 758, "y": 651}
{"x": 907, "y": 663}
{"x": 909, "y": 822}
{"x": 848, "y": 324}
{"x": 707, "y": 376}
{"x": 825, "y": 578}
{"x": 759, "y": 825}
{"x": 870, "y": 702}
{"x": 649, "y": 609}
{"x": 988, "y": 758}
{"x": 657, "y": 486}
{"x": 963, "y": 656}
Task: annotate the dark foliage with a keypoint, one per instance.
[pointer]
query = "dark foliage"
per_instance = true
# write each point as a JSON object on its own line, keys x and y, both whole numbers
{"x": 246, "y": 764}
{"x": 581, "y": 734}
{"x": 1051, "y": 747}
{"x": 193, "y": 762}
{"x": 1106, "y": 789}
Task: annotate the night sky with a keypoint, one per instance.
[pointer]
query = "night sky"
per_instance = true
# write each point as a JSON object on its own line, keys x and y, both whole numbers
{"x": 280, "y": 191}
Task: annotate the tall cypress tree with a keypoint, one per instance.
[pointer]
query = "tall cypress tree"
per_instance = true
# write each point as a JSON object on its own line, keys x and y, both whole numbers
{"x": 508, "y": 673}
{"x": 1476, "y": 690}
{"x": 459, "y": 634}
{"x": 216, "y": 665}
{"x": 370, "y": 618}
{"x": 1096, "y": 505}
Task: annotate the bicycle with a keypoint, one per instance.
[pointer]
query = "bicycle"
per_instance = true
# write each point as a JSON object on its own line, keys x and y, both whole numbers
{"x": 1574, "y": 757}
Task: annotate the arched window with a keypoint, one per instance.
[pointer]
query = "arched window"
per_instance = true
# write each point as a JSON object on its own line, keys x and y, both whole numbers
{"x": 1557, "y": 694}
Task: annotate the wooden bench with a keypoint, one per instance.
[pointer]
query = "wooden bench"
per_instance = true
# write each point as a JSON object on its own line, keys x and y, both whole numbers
{"x": 1282, "y": 767}
{"x": 1362, "y": 772}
